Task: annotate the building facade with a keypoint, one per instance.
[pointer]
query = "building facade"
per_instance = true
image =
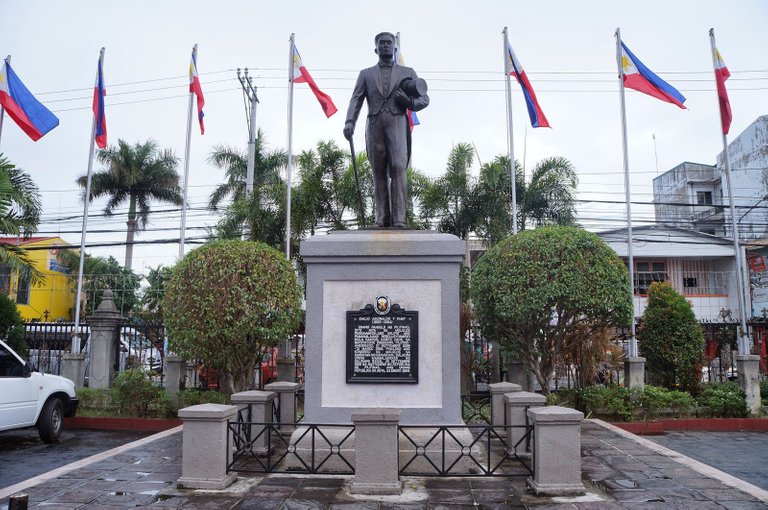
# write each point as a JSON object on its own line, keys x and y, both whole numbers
{"x": 54, "y": 299}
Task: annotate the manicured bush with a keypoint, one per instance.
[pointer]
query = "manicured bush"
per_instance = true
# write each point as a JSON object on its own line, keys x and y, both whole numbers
{"x": 764, "y": 392}
{"x": 671, "y": 340}
{"x": 193, "y": 397}
{"x": 654, "y": 401}
{"x": 723, "y": 400}
{"x": 227, "y": 302}
{"x": 612, "y": 402}
{"x": 538, "y": 290}
{"x": 12, "y": 327}
{"x": 134, "y": 394}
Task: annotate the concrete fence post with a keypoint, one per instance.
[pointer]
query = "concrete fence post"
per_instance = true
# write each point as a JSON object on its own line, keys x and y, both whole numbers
{"x": 260, "y": 404}
{"x": 516, "y": 404}
{"x": 634, "y": 373}
{"x": 173, "y": 378}
{"x": 497, "y": 401}
{"x": 73, "y": 368}
{"x": 556, "y": 451}
{"x": 376, "y": 452}
{"x": 286, "y": 394}
{"x": 205, "y": 454}
{"x": 104, "y": 339}
{"x": 749, "y": 381}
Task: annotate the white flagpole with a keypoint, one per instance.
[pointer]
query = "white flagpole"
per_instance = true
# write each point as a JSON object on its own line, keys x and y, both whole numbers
{"x": 633, "y": 350}
{"x": 290, "y": 152}
{"x": 182, "y": 233}
{"x": 744, "y": 335}
{"x": 76, "y": 337}
{"x": 510, "y": 141}
{"x": 2, "y": 110}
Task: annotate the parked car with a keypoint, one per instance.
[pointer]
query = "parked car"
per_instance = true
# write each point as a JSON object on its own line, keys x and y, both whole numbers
{"x": 32, "y": 399}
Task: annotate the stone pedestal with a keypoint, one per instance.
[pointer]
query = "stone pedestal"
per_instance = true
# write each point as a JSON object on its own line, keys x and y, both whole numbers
{"x": 257, "y": 406}
{"x": 517, "y": 374}
{"x": 104, "y": 338}
{"x": 516, "y": 406}
{"x": 749, "y": 381}
{"x": 556, "y": 451}
{"x": 634, "y": 373}
{"x": 173, "y": 377}
{"x": 204, "y": 447}
{"x": 418, "y": 270}
{"x": 286, "y": 394}
{"x": 376, "y": 452}
{"x": 286, "y": 370}
{"x": 73, "y": 368}
{"x": 498, "y": 407}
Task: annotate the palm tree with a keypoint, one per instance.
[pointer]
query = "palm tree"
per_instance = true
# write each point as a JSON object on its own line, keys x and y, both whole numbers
{"x": 20, "y": 209}
{"x": 137, "y": 174}
{"x": 267, "y": 166}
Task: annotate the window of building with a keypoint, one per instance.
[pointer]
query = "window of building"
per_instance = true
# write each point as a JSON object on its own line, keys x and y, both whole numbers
{"x": 647, "y": 272}
{"x": 704, "y": 197}
{"x": 22, "y": 292}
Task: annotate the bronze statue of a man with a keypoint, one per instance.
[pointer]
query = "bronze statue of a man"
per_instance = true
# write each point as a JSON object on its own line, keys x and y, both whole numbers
{"x": 387, "y": 134}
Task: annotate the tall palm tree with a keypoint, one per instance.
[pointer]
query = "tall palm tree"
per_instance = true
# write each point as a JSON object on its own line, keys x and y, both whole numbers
{"x": 135, "y": 174}
{"x": 235, "y": 165}
{"x": 20, "y": 209}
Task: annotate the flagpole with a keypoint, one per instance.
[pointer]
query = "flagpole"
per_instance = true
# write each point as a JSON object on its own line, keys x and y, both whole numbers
{"x": 183, "y": 232}
{"x": 633, "y": 351}
{"x": 744, "y": 335}
{"x": 290, "y": 152}
{"x": 510, "y": 140}
{"x": 76, "y": 337}
{"x": 2, "y": 110}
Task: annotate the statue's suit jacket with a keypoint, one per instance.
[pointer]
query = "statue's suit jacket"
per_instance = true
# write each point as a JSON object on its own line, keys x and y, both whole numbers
{"x": 369, "y": 86}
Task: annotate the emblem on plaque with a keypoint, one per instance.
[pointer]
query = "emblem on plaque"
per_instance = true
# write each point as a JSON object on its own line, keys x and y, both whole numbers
{"x": 382, "y": 305}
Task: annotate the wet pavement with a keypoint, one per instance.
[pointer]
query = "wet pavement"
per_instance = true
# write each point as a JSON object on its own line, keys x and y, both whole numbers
{"x": 741, "y": 454}
{"x": 23, "y": 455}
{"x": 619, "y": 472}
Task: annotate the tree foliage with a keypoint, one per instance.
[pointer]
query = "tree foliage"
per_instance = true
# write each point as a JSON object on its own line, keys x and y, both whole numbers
{"x": 99, "y": 274}
{"x": 671, "y": 340}
{"x": 230, "y": 300}
{"x": 152, "y": 297}
{"x": 535, "y": 290}
{"x": 12, "y": 326}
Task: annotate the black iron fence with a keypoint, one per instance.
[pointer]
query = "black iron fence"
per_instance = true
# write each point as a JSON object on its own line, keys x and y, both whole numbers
{"x": 142, "y": 345}
{"x": 469, "y": 450}
{"x": 48, "y": 341}
{"x": 476, "y": 408}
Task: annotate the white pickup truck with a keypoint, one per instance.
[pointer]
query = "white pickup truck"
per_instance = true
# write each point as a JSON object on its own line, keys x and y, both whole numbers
{"x": 32, "y": 399}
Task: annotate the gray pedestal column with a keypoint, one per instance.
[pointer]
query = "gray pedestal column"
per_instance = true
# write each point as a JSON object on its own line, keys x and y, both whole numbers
{"x": 173, "y": 378}
{"x": 376, "y": 452}
{"x": 73, "y": 368}
{"x": 498, "y": 407}
{"x": 749, "y": 381}
{"x": 286, "y": 393}
{"x": 204, "y": 456}
{"x": 105, "y": 329}
{"x": 556, "y": 451}
{"x": 258, "y": 407}
{"x": 418, "y": 270}
{"x": 634, "y": 373}
{"x": 517, "y": 374}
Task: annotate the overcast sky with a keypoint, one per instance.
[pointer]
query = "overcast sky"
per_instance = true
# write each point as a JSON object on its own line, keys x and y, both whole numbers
{"x": 567, "y": 48}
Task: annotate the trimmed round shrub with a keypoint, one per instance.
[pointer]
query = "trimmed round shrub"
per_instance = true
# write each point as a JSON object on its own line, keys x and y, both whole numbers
{"x": 227, "y": 302}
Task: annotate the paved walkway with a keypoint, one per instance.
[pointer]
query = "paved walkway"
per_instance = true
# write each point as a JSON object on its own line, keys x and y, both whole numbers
{"x": 741, "y": 454}
{"x": 621, "y": 471}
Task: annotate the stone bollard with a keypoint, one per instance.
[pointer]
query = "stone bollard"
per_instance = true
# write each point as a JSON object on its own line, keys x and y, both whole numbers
{"x": 749, "y": 381}
{"x": 634, "y": 373}
{"x": 104, "y": 339}
{"x": 259, "y": 405}
{"x": 73, "y": 368}
{"x": 205, "y": 455}
{"x": 286, "y": 395}
{"x": 498, "y": 410}
{"x": 173, "y": 378}
{"x": 376, "y": 452}
{"x": 517, "y": 404}
{"x": 556, "y": 451}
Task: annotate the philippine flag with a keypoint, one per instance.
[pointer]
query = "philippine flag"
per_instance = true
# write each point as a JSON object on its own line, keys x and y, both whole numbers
{"x": 413, "y": 120}
{"x": 99, "y": 114}
{"x": 534, "y": 110}
{"x": 31, "y": 116}
{"x": 299, "y": 74}
{"x": 722, "y": 74}
{"x": 640, "y": 78}
{"x": 194, "y": 86}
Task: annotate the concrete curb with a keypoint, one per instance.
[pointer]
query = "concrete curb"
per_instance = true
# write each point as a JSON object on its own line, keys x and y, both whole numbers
{"x": 697, "y": 466}
{"x": 13, "y": 489}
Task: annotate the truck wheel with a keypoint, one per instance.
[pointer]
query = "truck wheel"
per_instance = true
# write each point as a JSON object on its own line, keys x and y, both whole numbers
{"x": 49, "y": 425}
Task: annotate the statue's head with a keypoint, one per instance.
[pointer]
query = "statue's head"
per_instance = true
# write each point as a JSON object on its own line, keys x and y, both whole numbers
{"x": 385, "y": 44}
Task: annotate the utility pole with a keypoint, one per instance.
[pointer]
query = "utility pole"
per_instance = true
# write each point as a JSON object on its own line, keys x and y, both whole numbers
{"x": 250, "y": 99}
